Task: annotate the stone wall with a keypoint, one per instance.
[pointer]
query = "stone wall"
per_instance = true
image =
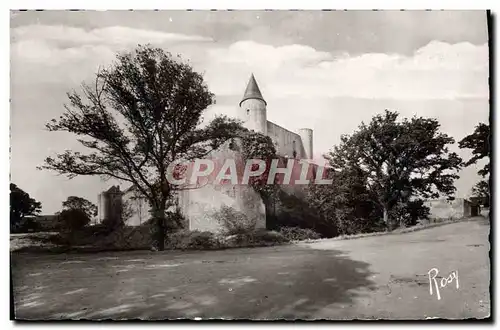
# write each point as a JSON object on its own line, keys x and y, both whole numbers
{"x": 286, "y": 141}
{"x": 443, "y": 209}
{"x": 199, "y": 204}
{"x": 140, "y": 207}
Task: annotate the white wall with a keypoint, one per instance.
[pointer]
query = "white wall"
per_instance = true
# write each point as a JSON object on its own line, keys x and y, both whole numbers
{"x": 284, "y": 140}
{"x": 199, "y": 204}
{"x": 140, "y": 207}
{"x": 443, "y": 209}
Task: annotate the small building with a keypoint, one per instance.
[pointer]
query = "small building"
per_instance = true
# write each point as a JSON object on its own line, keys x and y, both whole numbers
{"x": 48, "y": 222}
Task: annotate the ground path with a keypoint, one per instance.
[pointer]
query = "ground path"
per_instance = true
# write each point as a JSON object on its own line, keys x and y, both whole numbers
{"x": 367, "y": 278}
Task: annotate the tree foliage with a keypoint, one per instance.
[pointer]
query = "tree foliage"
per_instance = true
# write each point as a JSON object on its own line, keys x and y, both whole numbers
{"x": 479, "y": 142}
{"x": 256, "y": 145}
{"x": 126, "y": 211}
{"x": 481, "y": 193}
{"x": 345, "y": 206}
{"x": 259, "y": 146}
{"x": 80, "y": 203}
{"x": 407, "y": 213}
{"x": 387, "y": 161}
{"x": 21, "y": 205}
{"x": 481, "y": 189}
{"x": 139, "y": 116}
{"x": 73, "y": 219}
{"x": 234, "y": 222}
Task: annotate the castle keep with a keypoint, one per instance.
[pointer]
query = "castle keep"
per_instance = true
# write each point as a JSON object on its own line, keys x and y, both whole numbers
{"x": 198, "y": 205}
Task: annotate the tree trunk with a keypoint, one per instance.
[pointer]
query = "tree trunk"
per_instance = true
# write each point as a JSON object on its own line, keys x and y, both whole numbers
{"x": 270, "y": 211}
{"x": 270, "y": 207}
{"x": 386, "y": 219}
{"x": 159, "y": 232}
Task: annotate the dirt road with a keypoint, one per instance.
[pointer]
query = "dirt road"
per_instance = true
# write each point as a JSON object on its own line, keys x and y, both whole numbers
{"x": 367, "y": 278}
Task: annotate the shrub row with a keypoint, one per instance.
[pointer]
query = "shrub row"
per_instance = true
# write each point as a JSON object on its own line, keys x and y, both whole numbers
{"x": 237, "y": 230}
{"x": 123, "y": 238}
{"x": 298, "y": 234}
{"x": 204, "y": 240}
{"x": 139, "y": 238}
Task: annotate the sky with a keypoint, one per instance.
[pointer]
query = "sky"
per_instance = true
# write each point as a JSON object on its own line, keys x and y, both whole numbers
{"x": 325, "y": 70}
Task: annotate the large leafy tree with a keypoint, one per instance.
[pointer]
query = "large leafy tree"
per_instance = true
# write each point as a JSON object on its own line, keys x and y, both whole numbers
{"x": 139, "y": 116}
{"x": 80, "y": 203}
{"x": 21, "y": 205}
{"x": 344, "y": 207}
{"x": 73, "y": 220}
{"x": 398, "y": 159}
{"x": 479, "y": 143}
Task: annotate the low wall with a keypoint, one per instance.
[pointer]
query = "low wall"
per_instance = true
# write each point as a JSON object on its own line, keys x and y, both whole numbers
{"x": 443, "y": 209}
{"x": 286, "y": 141}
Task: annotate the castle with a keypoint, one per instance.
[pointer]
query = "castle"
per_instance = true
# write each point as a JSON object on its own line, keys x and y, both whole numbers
{"x": 198, "y": 205}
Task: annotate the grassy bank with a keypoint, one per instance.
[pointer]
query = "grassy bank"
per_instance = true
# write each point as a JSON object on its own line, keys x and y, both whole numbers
{"x": 399, "y": 230}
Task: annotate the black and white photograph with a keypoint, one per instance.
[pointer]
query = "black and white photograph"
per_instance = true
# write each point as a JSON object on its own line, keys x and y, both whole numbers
{"x": 279, "y": 165}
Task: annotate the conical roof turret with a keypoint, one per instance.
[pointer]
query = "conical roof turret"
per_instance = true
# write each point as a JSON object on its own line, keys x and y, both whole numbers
{"x": 252, "y": 91}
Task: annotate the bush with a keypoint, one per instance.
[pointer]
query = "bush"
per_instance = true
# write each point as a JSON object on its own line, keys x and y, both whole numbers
{"x": 127, "y": 238}
{"x": 139, "y": 238}
{"x": 74, "y": 219}
{"x": 100, "y": 237}
{"x": 111, "y": 224}
{"x": 26, "y": 225}
{"x": 192, "y": 240}
{"x": 204, "y": 240}
{"x": 298, "y": 234}
{"x": 408, "y": 214}
{"x": 174, "y": 221}
{"x": 265, "y": 236}
{"x": 234, "y": 222}
{"x": 253, "y": 239}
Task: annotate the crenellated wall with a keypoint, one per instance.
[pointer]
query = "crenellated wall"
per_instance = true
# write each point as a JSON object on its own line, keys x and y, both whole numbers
{"x": 286, "y": 141}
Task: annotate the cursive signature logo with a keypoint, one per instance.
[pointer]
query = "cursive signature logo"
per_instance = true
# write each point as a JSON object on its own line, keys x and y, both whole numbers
{"x": 443, "y": 281}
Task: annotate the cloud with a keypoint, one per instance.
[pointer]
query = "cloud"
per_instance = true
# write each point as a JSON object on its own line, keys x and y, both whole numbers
{"x": 118, "y": 35}
{"x": 43, "y": 53}
{"x": 436, "y": 71}
{"x": 68, "y": 55}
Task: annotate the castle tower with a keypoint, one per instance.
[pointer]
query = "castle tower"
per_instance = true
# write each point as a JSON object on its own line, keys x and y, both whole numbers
{"x": 110, "y": 202}
{"x": 253, "y": 111}
{"x": 306, "y": 134}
